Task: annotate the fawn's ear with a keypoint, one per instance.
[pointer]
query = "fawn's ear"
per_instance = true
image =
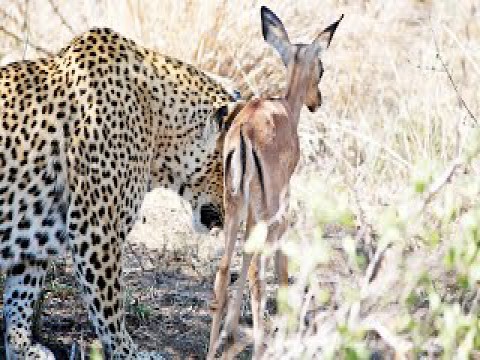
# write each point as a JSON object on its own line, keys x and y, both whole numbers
{"x": 325, "y": 37}
{"x": 275, "y": 34}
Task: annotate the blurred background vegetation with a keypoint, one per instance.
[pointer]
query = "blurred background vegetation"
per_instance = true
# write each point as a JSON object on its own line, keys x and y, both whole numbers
{"x": 386, "y": 198}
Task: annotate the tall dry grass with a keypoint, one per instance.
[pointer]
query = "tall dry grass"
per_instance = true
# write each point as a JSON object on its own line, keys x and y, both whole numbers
{"x": 386, "y": 197}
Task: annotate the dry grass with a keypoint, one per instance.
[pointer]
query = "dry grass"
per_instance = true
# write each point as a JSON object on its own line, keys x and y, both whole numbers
{"x": 390, "y": 126}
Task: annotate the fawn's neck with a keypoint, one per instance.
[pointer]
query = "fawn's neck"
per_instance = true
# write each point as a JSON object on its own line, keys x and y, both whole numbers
{"x": 296, "y": 91}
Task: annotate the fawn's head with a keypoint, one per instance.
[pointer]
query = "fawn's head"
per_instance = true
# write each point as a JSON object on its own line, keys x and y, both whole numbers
{"x": 302, "y": 61}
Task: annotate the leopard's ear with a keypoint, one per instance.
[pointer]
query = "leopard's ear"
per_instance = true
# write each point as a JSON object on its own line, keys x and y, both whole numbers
{"x": 219, "y": 116}
{"x": 226, "y": 114}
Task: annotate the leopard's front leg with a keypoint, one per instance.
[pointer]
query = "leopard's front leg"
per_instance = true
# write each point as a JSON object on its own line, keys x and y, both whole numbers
{"x": 96, "y": 235}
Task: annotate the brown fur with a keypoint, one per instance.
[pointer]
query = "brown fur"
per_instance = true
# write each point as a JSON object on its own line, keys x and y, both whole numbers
{"x": 261, "y": 151}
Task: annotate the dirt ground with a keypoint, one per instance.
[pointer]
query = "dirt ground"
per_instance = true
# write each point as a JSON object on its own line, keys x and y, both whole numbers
{"x": 169, "y": 274}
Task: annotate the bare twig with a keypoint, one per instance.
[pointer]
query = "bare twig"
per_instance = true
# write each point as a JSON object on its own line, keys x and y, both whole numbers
{"x": 134, "y": 253}
{"x": 375, "y": 265}
{"x": 365, "y": 232}
{"x": 82, "y": 346}
{"x": 61, "y": 17}
{"x": 18, "y": 5}
{"x": 450, "y": 77}
{"x": 475, "y": 303}
{"x": 73, "y": 351}
{"x": 13, "y": 19}
{"x": 376, "y": 262}
{"x": 441, "y": 182}
{"x": 25, "y": 29}
{"x": 425, "y": 68}
{"x": 17, "y": 38}
{"x": 402, "y": 347}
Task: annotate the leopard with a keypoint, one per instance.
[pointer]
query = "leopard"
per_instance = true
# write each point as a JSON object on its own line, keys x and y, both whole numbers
{"x": 85, "y": 134}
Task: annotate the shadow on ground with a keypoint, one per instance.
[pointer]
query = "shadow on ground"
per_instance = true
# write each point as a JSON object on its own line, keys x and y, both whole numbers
{"x": 166, "y": 310}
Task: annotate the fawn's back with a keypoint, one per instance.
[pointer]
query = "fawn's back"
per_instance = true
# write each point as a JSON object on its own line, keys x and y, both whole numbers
{"x": 267, "y": 128}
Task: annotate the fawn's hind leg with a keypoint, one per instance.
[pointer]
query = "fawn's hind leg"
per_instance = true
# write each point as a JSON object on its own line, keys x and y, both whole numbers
{"x": 221, "y": 283}
{"x": 281, "y": 260}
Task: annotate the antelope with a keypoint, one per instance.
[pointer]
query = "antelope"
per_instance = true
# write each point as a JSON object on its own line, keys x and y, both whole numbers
{"x": 261, "y": 151}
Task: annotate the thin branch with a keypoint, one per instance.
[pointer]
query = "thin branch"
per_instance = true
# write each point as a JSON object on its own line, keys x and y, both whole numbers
{"x": 17, "y": 38}
{"x": 441, "y": 182}
{"x": 425, "y": 68}
{"x": 10, "y": 17}
{"x": 450, "y": 77}
{"x": 18, "y": 5}
{"x": 402, "y": 347}
{"x": 61, "y": 17}
{"x": 73, "y": 351}
{"x": 475, "y": 303}
{"x": 137, "y": 257}
{"x": 365, "y": 233}
{"x": 25, "y": 29}
{"x": 374, "y": 266}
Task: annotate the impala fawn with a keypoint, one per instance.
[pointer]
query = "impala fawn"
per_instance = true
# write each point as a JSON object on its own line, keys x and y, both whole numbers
{"x": 261, "y": 152}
